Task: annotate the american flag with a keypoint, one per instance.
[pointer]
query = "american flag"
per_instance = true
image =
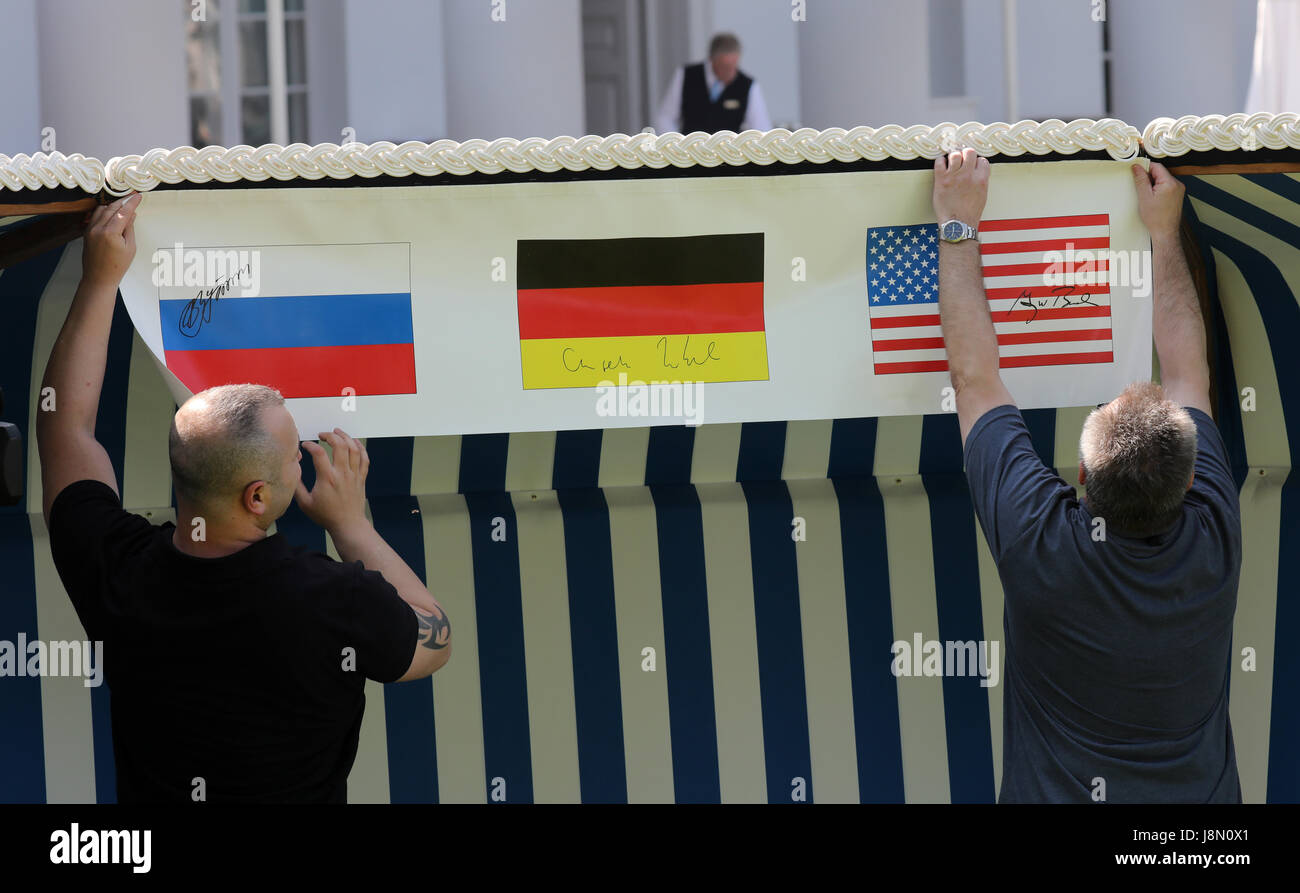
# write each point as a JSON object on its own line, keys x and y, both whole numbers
{"x": 1038, "y": 322}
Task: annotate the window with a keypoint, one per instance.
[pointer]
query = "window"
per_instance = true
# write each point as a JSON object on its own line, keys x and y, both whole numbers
{"x": 232, "y": 72}
{"x": 203, "y": 61}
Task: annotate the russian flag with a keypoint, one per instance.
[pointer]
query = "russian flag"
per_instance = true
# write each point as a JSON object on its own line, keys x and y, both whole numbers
{"x": 325, "y": 318}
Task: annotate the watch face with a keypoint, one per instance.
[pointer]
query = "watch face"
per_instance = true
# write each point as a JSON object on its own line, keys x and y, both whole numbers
{"x": 951, "y": 230}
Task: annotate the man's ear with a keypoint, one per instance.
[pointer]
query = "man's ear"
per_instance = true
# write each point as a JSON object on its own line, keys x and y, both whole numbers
{"x": 1082, "y": 475}
{"x": 256, "y": 498}
{"x": 1189, "y": 481}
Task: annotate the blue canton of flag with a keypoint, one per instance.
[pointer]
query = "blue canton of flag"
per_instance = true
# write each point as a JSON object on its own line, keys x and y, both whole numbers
{"x": 903, "y": 264}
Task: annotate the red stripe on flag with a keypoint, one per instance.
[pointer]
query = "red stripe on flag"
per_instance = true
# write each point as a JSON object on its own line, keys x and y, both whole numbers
{"x": 1018, "y": 315}
{"x": 912, "y": 366}
{"x": 640, "y": 310}
{"x": 904, "y": 322}
{"x": 302, "y": 371}
{"x": 1001, "y": 226}
{"x": 1066, "y": 335}
{"x": 1006, "y": 362}
{"x": 1058, "y": 359}
{"x": 1045, "y": 245}
{"x": 907, "y": 343}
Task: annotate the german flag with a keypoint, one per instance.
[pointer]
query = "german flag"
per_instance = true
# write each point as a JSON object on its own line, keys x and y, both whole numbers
{"x": 654, "y": 309}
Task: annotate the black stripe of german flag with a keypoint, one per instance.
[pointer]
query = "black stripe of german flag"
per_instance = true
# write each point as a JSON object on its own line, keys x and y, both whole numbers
{"x": 679, "y": 260}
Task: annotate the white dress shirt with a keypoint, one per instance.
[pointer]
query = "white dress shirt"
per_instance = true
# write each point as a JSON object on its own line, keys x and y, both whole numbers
{"x": 669, "y": 118}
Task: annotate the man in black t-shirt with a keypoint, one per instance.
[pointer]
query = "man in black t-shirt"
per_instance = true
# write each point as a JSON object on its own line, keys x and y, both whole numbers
{"x": 236, "y": 662}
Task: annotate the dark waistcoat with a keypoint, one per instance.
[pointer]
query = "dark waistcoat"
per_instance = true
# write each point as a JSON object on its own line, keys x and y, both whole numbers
{"x": 699, "y": 113}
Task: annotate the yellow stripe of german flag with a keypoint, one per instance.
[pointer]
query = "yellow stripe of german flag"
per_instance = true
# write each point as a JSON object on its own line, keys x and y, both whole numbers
{"x": 591, "y": 362}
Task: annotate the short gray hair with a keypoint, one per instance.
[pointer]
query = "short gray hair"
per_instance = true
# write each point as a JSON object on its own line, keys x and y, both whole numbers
{"x": 723, "y": 43}
{"x": 227, "y": 447}
{"x": 1138, "y": 453}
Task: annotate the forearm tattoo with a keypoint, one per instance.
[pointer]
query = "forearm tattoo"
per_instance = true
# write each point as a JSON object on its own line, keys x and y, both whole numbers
{"x": 435, "y": 629}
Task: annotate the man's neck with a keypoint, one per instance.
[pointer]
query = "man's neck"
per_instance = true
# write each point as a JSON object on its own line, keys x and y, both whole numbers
{"x": 215, "y": 542}
{"x": 1131, "y": 534}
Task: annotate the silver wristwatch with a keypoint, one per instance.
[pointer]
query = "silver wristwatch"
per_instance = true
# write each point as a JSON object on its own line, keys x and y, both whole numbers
{"x": 956, "y": 231}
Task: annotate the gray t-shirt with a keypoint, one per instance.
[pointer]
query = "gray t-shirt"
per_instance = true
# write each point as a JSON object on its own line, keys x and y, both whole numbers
{"x": 1117, "y": 652}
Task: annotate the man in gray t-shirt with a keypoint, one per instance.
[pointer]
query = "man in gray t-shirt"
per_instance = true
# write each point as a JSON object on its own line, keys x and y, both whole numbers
{"x": 1118, "y": 606}
{"x": 1117, "y": 649}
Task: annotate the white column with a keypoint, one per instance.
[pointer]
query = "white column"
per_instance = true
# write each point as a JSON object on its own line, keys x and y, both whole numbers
{"x": 327, "y": 71}
{"x": 1059, "y": 70}
{"x": 864, "y": 62}
{"x": 514, "y": 68}
{"x": 20, "y": 103}
{"x": 396, "y": 76}
{"x": 277, "y": 77}
{"x": 1179, "y": 57}
{"x": 699, "y": 26}
{"x": 1061, "y": 73}
{"x": 1010, "y": 66}
{"x": 985, "y": 53}
{"x": 112, "y": 75}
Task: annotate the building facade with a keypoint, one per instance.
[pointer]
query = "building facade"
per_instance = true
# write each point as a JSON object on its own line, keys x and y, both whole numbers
{"x": 118, "y": 78}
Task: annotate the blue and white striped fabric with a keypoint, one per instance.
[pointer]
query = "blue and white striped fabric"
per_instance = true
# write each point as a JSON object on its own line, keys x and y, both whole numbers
{"x": 771, "y": 657}
{"x": 12, "y": 223}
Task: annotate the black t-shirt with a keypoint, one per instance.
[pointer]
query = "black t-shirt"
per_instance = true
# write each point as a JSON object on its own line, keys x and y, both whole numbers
{"x": 1118, "y": 649}
{"x": 245, "y": 671}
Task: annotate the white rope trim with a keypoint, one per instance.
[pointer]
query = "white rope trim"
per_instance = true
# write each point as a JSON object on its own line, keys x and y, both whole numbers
{"x": 1165, "y": 137}
{"x": 142, "y": 172}
{"x": 1162, "y": 138}
{"x": 52, "y": 170}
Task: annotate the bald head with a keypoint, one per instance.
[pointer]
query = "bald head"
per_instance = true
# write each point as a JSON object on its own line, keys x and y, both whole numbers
{"x": 227, "y": 437}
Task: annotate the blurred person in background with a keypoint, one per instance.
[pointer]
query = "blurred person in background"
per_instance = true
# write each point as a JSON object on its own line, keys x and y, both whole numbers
{"x": 714, "y": 95}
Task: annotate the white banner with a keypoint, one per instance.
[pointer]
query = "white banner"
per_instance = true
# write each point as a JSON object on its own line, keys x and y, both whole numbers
{"x": 423, "y": 310}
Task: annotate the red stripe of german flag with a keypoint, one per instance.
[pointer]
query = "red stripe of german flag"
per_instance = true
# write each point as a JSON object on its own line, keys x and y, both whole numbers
{"x": 640, "y": 310}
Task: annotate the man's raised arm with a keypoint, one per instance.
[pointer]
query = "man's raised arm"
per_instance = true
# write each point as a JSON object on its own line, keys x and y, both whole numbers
{"x": 65, "y": 433}
{"x": 337, "y": 503}
{"x": 961, "y": 183}
{"x": 1176, "y": 323}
